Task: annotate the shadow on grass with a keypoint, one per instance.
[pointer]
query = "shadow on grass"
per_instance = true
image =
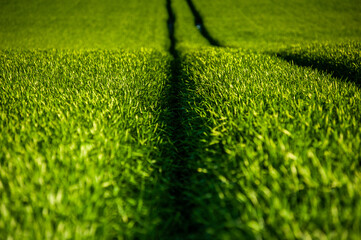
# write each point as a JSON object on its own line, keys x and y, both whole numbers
{"x": 179, "y": 189}
{"x": 200, "y": 25}
{"x": 180, "y": 183}
{"x": 345, "y": 70}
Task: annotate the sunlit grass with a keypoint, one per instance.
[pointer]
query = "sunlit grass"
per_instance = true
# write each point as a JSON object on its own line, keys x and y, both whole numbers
{"x": 79, "y": 137}
{"x": 269, "y": 25}
{"x": 281, "y": 151}
{"x": 211, "y": 143}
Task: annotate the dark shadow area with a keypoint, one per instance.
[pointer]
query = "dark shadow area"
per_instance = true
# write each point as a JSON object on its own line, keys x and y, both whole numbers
{"x": 177, "y": 163}
{"x": 342, "y": 70}
{"x": 199, "y": 24}
{"x": 179, "y": 188}
{"x": 171, "y": 21}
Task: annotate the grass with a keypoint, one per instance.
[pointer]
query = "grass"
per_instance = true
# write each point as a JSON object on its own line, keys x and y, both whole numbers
{"x": 81, "y": 125}
{"x": 80, "y": 136}
{"x": 105, "y": 135}
{"x": 186, "y": 33}
{"x": 83, "y": 24}
{"x": 280, "y": 149}
{"x": 277, "y": 146}
{"x": 342, "y": 60}
{"x": 273, "y": 148}
{"x": 266, "y": 25}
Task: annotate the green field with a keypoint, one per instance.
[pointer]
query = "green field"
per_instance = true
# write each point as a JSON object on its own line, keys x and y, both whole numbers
{"x": 80, "y": 24}
{"x": 178, "y": 119}
{"x": 271, "y": 25}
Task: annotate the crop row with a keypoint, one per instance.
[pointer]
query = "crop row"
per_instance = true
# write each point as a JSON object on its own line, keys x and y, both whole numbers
{"x": 277, "y": 149}
{"x": 83, "y": 24}
{"x": 215, "y": 144}
{"x": 267, "y": 25}
{"x": 342, "y": 60}
{"x": 186, "y": 33}
{"x": 273, "y": 148}
{"x": 80, "y": 134}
